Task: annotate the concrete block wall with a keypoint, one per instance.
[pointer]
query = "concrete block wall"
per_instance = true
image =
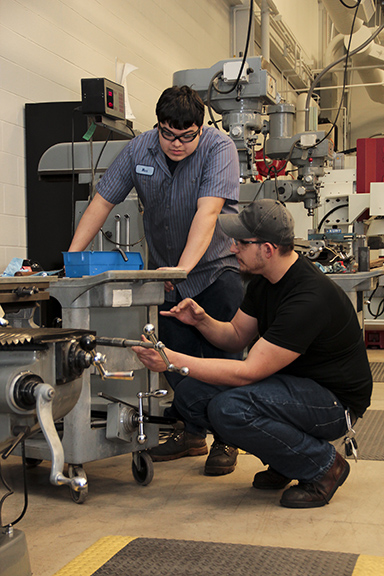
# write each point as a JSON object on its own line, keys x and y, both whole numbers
{"x": 47, "y": 46}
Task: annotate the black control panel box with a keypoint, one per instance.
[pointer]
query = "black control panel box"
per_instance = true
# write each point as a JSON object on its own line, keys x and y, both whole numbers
{"x": 101, "y": 96}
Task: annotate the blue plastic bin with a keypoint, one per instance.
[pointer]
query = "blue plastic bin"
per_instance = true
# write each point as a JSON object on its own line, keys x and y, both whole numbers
{"x": 89, "y": 263}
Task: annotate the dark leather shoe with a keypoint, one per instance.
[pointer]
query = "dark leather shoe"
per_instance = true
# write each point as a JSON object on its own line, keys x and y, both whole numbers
{"x": 319, "y": 493}
{"x": 270, "y": 480}
{"x": 178, "y": 445}
{"x": 221, "y": 460}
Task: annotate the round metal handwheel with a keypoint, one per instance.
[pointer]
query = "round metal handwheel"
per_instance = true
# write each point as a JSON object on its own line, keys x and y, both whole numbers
{"x": 142, "y": 468}
{"x": 78, "y": 496}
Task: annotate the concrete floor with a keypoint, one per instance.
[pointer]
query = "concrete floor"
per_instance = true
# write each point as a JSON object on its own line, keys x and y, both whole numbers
{"x": 182, "y": 503}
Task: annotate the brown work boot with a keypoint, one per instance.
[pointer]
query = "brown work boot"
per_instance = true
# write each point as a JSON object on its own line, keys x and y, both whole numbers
{"x": 319, "y": 493}
{"x": 221, "y": 460}
{"x": 178, "y": 445}
{"x": 270, "y": 480}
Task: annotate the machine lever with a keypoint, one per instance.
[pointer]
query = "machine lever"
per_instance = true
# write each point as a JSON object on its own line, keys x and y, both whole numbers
{"x": 20, "y": 437}
{"x": 147, "y": 418}
{"x": 141, "y": 438}
{"x": 142, "y": 417}
{"x": 22, "y": 291}
{"x": 149, "y": 332}
{"x": 113, "y": 399}
{"x": 122, "y": 342}
{"x": 44, "y": 396}
{"x": 99, "y": 360}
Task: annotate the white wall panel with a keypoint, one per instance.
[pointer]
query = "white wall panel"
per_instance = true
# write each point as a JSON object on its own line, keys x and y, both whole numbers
{"x": 47, "y": 46}
{"x": 2, "y": 195}
{"x": 30, "y": 86}
{"x": 11, "y": 105}
{"x": 9, "y": 168}
{"x": 14, "y": 200}
{"x": 12, "y": 138}
{"x": 12, "y": 231}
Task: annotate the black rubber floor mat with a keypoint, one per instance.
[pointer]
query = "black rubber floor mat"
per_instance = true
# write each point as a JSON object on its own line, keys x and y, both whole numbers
{"x": 369, "y": 436}
{"x": 377, "y": 369}
{"x": 160, "y": 557}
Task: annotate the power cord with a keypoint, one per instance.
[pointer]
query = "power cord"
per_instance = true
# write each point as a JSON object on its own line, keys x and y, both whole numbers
{"x": 380, "y": 308}
{"x": 328, "y": 214}
{"x": 219, "y": 73}
{"x": 11, "y": 492}
{"x": 351, "y": 7}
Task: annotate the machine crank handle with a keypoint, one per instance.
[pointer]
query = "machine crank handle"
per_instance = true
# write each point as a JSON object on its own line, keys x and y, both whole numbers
{"x": 141, "y": 438}
{"x": 88, "y": 344}
{"x": 117, "y": 375}
{"x": 99, "y": 360}
{"x": 147, "y": 418}
{"x": 44, "y": 394}
{"x": 149, "y": 332}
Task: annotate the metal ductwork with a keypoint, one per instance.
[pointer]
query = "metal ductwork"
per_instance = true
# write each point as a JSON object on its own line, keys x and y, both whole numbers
{"x": 342, "y": 17}
{"x": 372, "y": 55}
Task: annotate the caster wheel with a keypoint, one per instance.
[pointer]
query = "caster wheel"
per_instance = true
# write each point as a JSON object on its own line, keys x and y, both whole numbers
{"x": 78, "y": 496}
{"x": 142, "y": 468}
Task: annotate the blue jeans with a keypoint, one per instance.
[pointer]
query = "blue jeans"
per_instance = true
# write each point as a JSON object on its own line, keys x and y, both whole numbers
{"x": 285, "y": 421}
{"x": 221, "y": 300}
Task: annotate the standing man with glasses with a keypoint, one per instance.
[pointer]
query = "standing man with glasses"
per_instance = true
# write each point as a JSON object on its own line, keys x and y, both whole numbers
{"x": 185, "y": 175}
{"x": 304, "y": 381}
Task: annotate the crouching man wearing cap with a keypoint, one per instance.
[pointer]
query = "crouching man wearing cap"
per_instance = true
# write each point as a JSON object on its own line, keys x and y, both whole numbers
{"x": 308, "y": 369}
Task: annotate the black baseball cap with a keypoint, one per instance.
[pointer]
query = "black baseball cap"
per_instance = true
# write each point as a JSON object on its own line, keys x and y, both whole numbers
{"x": 265, "y": 219}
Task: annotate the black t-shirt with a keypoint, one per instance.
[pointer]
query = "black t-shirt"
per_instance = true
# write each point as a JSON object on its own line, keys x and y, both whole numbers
{"x": 306, "y": 312}
{"x": 172, "y": 164}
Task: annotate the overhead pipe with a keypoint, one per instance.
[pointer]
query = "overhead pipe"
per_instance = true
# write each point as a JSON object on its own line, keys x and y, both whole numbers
{"x": 300, "y": 113}
{"x": 342, "y": 17}
{"x": 370, "y": 76}
{"x": 265, "y": 30}
{"x": 373, "y": 53}
{"x": 335, "y": 45}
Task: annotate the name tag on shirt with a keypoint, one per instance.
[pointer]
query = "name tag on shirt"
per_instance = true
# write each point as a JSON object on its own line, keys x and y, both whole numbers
{"x": 145, "y": 170}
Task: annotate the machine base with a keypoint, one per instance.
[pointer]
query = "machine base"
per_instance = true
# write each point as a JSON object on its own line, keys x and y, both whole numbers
{"x": 14, "y": 557}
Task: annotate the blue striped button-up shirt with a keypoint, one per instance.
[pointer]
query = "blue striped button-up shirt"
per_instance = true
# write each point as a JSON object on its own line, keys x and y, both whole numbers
{"x": 170, "y": 201}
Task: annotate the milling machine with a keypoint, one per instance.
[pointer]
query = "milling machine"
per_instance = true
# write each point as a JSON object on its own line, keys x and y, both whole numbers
{"x": 42, "y": 381}
{"x": 244, "y": 94}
